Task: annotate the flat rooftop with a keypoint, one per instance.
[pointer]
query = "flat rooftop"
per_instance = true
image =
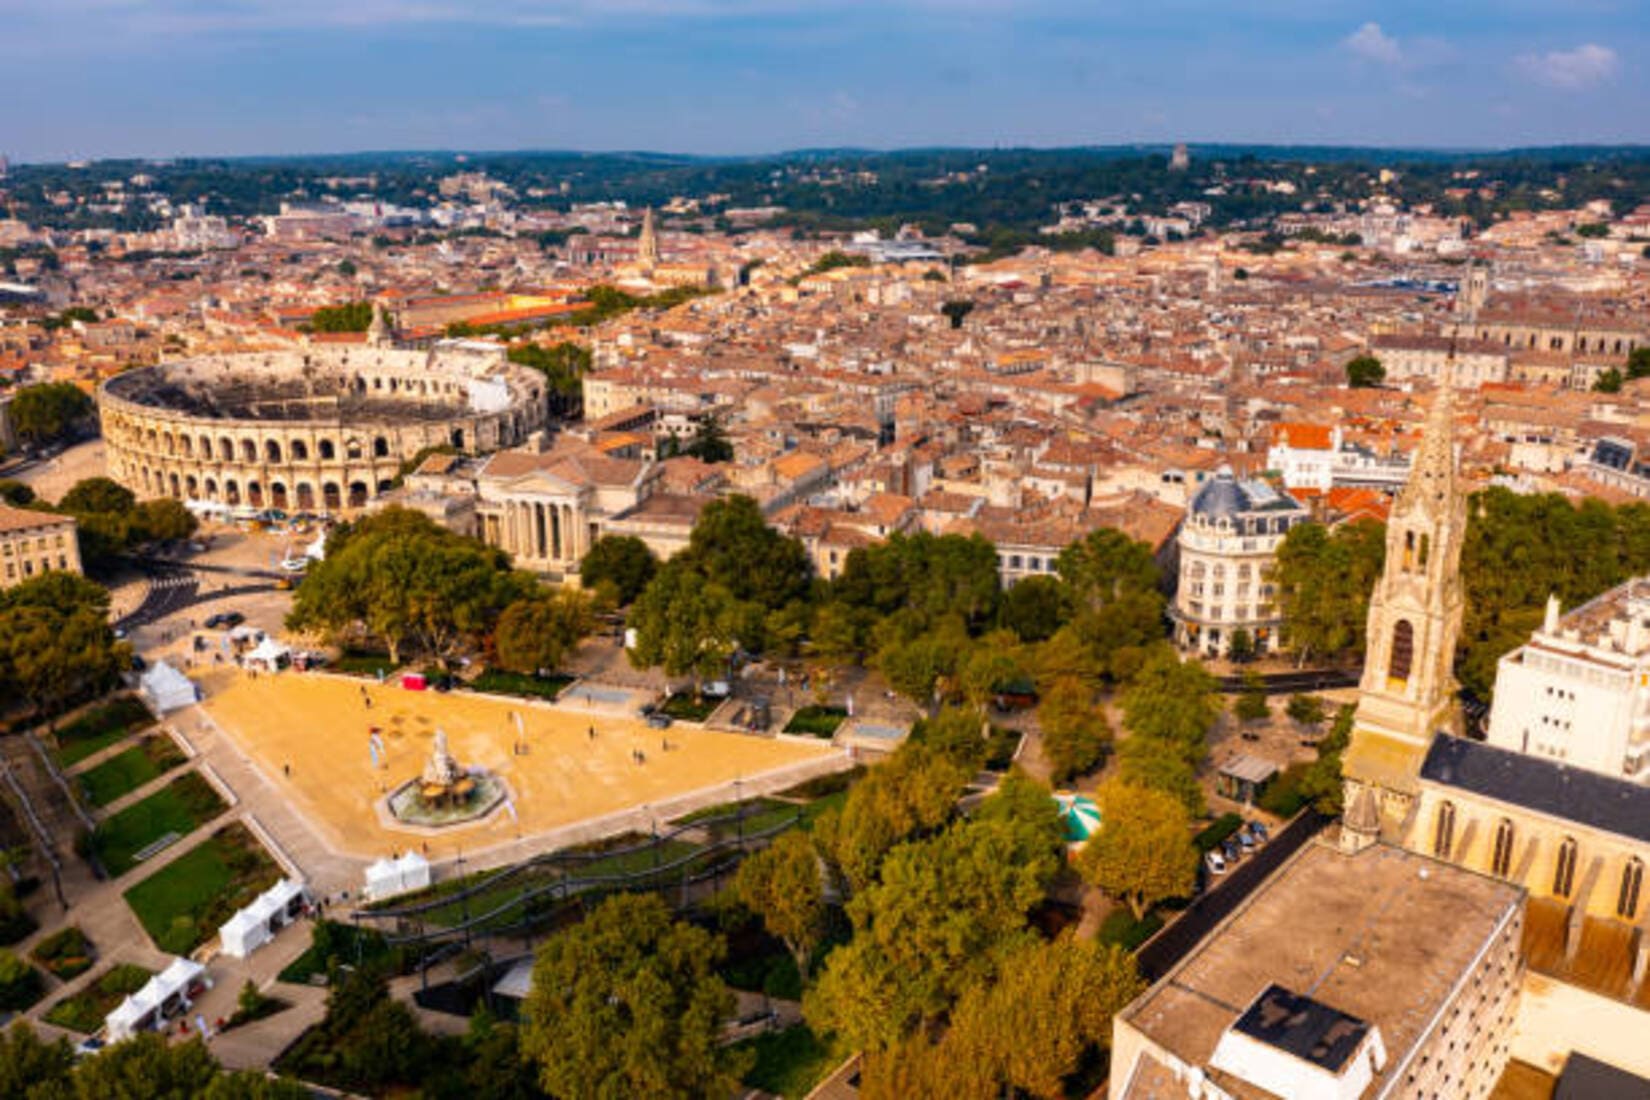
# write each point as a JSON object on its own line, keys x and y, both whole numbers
{"x": 1381, "y": 937}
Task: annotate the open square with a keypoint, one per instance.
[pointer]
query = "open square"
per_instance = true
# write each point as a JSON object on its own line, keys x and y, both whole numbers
{"x": 309, "y": 733}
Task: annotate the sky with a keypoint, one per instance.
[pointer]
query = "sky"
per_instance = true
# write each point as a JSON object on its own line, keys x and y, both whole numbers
{"x": 161, "y": 78}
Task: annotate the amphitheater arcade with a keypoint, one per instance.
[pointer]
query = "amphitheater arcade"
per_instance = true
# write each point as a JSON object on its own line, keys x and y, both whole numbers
{"x": 320, "y": 428}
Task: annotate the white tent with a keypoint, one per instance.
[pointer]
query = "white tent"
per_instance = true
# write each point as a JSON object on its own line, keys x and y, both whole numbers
{"x": 167, "y": 990}
{"x": 388, "y": 877}
{"x": 255, "y": 925}
{"x": 166, "y": 688}
{"x": 268, "y": 653}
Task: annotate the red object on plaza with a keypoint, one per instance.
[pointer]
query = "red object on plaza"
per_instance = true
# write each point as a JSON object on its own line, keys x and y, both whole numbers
{"x": 413, "y": 681}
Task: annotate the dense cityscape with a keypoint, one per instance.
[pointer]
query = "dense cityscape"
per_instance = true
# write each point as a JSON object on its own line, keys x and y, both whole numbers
{"x": 1149, "y": 621}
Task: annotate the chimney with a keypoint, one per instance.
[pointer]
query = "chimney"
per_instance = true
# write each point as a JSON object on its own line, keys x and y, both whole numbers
{"x": 1549, "y": 625}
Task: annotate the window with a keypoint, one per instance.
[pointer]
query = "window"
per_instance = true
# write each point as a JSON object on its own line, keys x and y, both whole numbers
{"x": 1501, "y": 858}
{"x": 1403, "y": 652}
{"x": 1443, "y": 837}
{"x": 1632, "y": 880}
{"x": 1564, "y": 873}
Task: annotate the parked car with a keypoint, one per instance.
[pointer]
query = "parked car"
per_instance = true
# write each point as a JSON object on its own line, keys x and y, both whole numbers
{"x": 225, "y": 620}
{"x": 658, "y": 720}
{"x": 1214, "y": 861}
{"x": 716, "y": 689}
{"x": 1246, "y": 839}
{"x": 1258, "y": 830}
{"x": 1231, "y": 849}
{"x": 88, "y": 1046}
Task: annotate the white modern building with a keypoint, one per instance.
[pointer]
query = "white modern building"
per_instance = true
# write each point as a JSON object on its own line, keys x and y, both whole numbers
{"x": 1317, "y": 459}
{"x": 1579, "y": 691}
{"x": 1227, "y": 547}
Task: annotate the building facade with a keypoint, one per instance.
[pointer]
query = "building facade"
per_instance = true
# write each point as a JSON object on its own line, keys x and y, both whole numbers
{"x": 1227, "y": 547}
{"x": 34, "y": 543}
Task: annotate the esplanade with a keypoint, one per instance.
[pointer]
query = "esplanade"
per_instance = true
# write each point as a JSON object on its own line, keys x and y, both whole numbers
{"x": 314, "y": 428}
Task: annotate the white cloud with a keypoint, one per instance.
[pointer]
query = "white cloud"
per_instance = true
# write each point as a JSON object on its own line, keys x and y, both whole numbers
{"x": 1572, "y": 70}
{"x": 1371, "y": 43}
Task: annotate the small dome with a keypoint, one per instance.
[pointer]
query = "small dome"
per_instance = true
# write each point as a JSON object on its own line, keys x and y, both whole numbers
{"x": 1221, "y": 496}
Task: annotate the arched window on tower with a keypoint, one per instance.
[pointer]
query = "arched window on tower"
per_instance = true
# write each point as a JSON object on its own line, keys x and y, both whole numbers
{"x": 1632, "y": 881}
{"x": 1501, "y": 857}
{"x": 1564, "y": 872}
{"x": 1409, "y": 552}
{"x": 1443, "y": 837}
{"x": 1403, "y": 653}
{"x": 1426, "y": 548}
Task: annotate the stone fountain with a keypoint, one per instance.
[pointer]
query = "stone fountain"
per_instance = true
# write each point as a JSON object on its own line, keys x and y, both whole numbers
{"x": 446, "y": 793}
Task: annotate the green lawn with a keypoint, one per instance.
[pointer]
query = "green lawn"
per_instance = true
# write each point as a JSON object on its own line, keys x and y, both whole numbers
{"x": 101, "y": 727}
{"x": 355, "y": 663}
{"x": 497, "y": 681}
{"x": 789, "y": 1063}
{"x": 684, "y": 708}
{"x": 817, "y": 720}
{"x": 66, "y": 953}
{"x": 180, "y": 807}
{"x": 1121, "y": 928}
{"x": 330, "y": 941}
{"x": 84, "y": 1012}
{"x": 150, "y": 758}
{"x": 182, "y": 904}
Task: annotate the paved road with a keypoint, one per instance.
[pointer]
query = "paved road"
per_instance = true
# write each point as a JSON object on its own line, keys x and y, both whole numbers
{"x": 1172, "y": 944}
{"x": 173, "y": 589}
{"x": 1289, "y": 683}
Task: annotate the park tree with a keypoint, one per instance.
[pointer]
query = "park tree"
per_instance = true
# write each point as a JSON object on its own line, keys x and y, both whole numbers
{"x": 929, "y": 929}
{"x": 31, "y": 1067}
{"x": 1322, "y": 782}
{"x": 1365, "y": 371}
{"x": 683, "y": 624}
{"x": 622, "y": 563}
{"x": 147, "y": 1065}
{"x": 1143, "y": 852}
{"x": 349, "y": 317}
{"x": 1251, "y": 704}
{"x": 1075, "y": 734}
{"x": 1324, "y": 578}
{"x": 1306, "y": 709}
{"x": 913, "y": 793}
{"x": 836, "y": 636}
{"x": 536, "y": 632}
{"x": 1062, "y": 997}
{"x": 1240, "y": 647}
{"x": 1162, "y": 766}
{"x": 1113, "y": 583}
{"x": 930, "y": 576}
{"x": 988, "y": 665}
{"x": 56, "y": 644}
{"x": 628, "y": 1003}
{"x": 15, "y": 493}
{"x": 732, "y": 546}
{"x": 97, "y": 494}
{"x": 162, "y": 520}
{"x": 49, "y": 410}
{"x": 784, "y": 885}
{"x": 1034, "y": 608}
{"x": 1173, "y": 701}
{"x": 916, "y": 666}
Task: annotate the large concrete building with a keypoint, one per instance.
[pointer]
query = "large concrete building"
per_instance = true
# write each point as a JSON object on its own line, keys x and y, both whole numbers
{"x": 1578, "y": 692}
{"x": 1227, "y": 546}
{"x": 318, "y": 429}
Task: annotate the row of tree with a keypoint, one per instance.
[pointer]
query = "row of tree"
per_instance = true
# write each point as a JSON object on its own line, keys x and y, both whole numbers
{"x": 56, "y": 644}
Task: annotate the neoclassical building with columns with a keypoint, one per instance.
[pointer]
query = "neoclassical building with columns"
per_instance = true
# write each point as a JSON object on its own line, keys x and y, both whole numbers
{"x": 323, "y": 428}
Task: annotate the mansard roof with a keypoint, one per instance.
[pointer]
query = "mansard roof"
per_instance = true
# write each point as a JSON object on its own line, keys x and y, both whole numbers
{"x": 1543, "y": 786}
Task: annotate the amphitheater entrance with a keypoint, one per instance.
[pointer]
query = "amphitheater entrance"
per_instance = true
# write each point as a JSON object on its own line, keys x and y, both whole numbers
{"x": 357, "y": 494}
{"x": 254, "y": 494}
{"x": 306, "y": 497}
{"x": 277, "y": 496}
{"x": 331, "y": 499}
{"x": 212, "y": 488}
{"x": 231, "y": 491}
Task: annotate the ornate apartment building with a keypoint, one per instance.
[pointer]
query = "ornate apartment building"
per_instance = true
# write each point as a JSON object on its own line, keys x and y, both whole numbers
{"x": 33, "y": 543}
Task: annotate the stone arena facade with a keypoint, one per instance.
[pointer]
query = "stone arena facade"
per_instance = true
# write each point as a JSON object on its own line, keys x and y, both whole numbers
{"x": 311, "y": 429}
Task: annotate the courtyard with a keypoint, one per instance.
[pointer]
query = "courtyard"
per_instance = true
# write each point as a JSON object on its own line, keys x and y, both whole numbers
{"x": 309, "y": 735}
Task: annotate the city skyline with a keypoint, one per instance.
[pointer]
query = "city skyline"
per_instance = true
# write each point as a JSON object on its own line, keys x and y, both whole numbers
{"x": 177, "y": 78}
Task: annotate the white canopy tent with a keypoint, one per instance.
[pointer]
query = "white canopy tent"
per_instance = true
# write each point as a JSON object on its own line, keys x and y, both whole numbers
{"x": 167, "y": 993}
{"x": 268, "y": 653}
{"x": 255, "y": 925}
{"x": 165, "y": 688}
{"x": 388, "y": 877}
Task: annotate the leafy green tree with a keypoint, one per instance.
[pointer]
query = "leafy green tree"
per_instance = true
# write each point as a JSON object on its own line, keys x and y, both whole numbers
{"x": 710, "y": 442}
{"x": 913, "y": 793}
{"x": 346, "y": 268}
{"x": 52, "y": 656}
{"x": 1322, "y": 782}
{"x": 1638, "y": 362}
{"x": 1240, "y": 646}
{"x": 1075, "y": 733}
{"x": 784, "y": 885}
{"x": 144, "y": 1066}
{"x": 733, "y": 546}
{"x": 97, "y": 494}
{"x": 1143, "y": 851}
{"x": 989, "y": 665}
{"x": 350, "y": 317}
{"x": 835, "y": 638}
{"x": 1609, "y": 380}
{"x": 1306, "y": 709}
{"x": 563, "y": 365}
{"x": 1251, "y": 704}
{"x": 538, "y": 631}
{"x": 162, "y": 520}
{"x": 1113, "y": 582}
{"x": 1173, "y": 701}
{"x": 930, "y": 576}
{"x": 31, "y": 1068}
{"x": 622, "y": 562}
{"x": 957, "y": 309}
{"x": 44, "y": 412}
{"x": 1162, "y": 766}
{"x": 1365, "y": 371}
{"x": 1324, "y": 579}
{"x": 627, "y": 1003}
{"x": 683, "y": 624}
{"x": 1034, "y": 608}
{"x": 1061, "y": 996}
{"x": 15, "y": 493}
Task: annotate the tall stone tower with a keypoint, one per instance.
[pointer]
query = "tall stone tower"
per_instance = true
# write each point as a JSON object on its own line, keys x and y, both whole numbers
{"x": 1408, "y": 690}
{"x": 378, "y": 331}
{"x": 647, "y": 247}
{"x": 1474, "y": 291}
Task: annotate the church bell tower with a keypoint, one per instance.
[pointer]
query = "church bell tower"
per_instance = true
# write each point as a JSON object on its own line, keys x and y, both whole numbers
{"x": 1407, "y": 694}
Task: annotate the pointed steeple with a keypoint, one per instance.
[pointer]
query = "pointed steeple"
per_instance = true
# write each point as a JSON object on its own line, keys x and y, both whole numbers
{"x": 378, "y": 332}
{"x": 647, "y": 246}
{"x": 1432, "y": 484}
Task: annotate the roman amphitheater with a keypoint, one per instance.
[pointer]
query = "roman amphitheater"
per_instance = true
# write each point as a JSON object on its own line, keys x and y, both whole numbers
{"x": 319, "y": 428}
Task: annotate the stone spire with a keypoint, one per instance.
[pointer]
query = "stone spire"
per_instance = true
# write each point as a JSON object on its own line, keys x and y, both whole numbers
{"x": 647, "y": 247}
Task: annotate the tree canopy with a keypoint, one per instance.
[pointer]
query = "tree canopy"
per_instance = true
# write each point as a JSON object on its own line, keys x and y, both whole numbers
{"x": 627, "y": 1003}
{"x": 56, "y": 645}
{"x": 1364, "y": 371}
{"x": 48, "y": 411}
{"x": 1142, "y": 853}
{"x": 622, "y": 563}
{"x": 536, "y": 632}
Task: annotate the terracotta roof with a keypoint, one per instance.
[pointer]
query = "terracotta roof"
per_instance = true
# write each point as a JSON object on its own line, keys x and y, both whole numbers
{"x": 24, "y": 519}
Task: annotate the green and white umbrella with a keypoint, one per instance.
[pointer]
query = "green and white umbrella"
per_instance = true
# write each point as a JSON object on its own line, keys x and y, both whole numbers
{"x": 1079, "y": 815}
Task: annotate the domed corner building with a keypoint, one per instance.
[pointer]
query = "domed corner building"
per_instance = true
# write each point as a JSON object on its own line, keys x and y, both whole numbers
{"x": 1227, "y": 545}
{"x": 321, "y": 428}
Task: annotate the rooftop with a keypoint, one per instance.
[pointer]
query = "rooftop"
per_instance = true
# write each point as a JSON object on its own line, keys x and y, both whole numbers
{"x": 1544, "y": 786}
{"x": 1358, "y": 950}
{"x": 1307, "y": 1029}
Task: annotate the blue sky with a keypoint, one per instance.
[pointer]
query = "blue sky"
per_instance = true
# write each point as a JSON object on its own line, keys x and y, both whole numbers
{"x": 178, "y": 77}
